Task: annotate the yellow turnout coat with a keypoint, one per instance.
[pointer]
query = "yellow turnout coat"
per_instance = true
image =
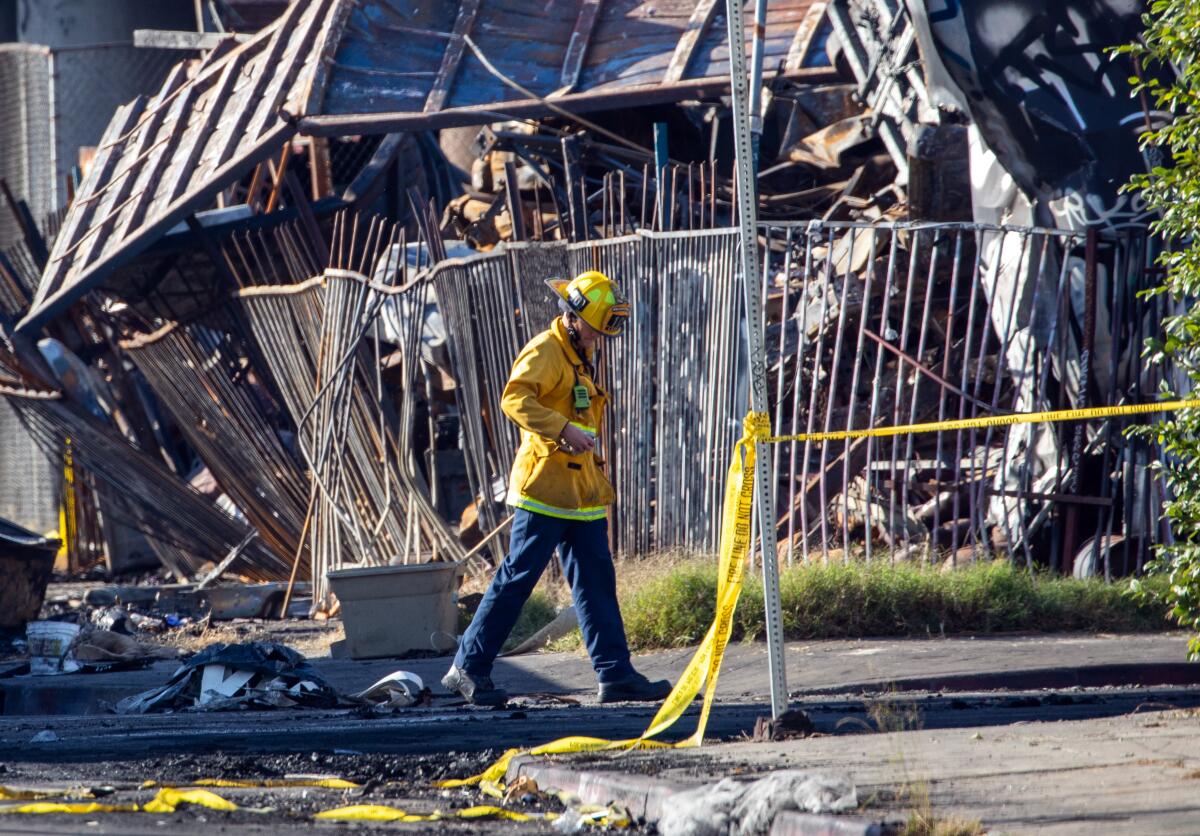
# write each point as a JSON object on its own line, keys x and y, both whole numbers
{"x": 539, "y": 398}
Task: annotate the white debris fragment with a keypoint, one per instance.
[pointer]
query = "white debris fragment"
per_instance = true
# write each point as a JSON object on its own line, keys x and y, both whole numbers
{"x": 733, "y": 808}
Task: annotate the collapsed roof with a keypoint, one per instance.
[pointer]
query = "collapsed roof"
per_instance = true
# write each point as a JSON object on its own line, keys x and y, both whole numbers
{"x": 340, "y": 67}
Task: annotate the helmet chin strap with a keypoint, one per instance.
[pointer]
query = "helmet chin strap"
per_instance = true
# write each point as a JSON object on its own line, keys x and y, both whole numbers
{"x": 573, "y": 336}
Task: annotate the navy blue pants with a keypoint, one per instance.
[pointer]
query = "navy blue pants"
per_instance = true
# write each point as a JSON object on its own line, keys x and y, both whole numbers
{"x": 588, "y": 566}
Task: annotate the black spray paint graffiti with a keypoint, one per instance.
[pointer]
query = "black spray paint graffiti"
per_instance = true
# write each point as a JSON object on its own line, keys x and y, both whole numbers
{"x": 1049, "y": 99}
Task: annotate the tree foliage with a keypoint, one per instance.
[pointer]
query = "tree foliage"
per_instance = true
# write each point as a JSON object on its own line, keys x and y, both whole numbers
{"x": 1169, "y": 75}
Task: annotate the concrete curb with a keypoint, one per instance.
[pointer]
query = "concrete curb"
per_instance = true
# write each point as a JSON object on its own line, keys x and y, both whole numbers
{"x": 1033, "y": 679}
{"x": 642, "y": 795}
{"x": 647, "y": 797}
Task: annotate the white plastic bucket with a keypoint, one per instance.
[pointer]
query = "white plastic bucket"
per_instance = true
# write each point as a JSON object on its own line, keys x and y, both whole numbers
{"x": 48, "y": 644}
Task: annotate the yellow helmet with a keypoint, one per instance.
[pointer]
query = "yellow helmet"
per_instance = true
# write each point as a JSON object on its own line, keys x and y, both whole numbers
{"x": 597, "y": 300}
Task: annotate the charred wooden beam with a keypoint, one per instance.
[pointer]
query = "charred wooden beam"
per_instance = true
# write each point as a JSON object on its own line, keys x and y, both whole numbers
{"x": 697, "y": 28}
{"x": 581, "y": 35}
{"x": 452, "y": 57}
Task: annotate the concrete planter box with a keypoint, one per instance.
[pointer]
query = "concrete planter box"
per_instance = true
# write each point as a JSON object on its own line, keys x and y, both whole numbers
{"x": 393, "y": 610}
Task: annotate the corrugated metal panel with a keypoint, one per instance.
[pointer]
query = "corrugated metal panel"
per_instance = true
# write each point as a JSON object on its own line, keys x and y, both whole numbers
{"x": 375, "y": 66}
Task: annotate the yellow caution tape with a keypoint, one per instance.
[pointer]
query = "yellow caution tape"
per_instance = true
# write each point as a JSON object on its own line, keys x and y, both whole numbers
{"x": 1053, "y": 416}
{"x": 705, "y": 665}
{"x": 277, "y": 783}
{"x": 488, "y": 811}
{"x": 383, "y": 813}
{"x": 38, "y": 808}
{"x": 168, "y": 798}
{"x": 366, "y": 812}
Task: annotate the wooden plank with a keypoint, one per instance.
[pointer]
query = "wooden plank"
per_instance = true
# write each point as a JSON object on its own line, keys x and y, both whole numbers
{"x": 581, "y": 36}
{"x": 320, "y": 167}
{"x": 452, "y": 57}
{"x": 583, "y": 102}
{"x": 169, "y": 39}
{"x": 697, "y": 28}
{"x": 802, "y": 41}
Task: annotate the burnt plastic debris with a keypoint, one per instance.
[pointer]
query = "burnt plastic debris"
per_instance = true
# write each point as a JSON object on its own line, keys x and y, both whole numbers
{"x": 251, "y": 675}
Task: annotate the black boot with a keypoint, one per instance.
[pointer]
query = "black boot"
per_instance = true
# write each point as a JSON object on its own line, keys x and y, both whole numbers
{"x": 477, "y": 690}
{"x": 635, "y": 688}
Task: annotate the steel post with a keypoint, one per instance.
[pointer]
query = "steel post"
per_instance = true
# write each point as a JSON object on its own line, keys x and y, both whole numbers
{"x": 747, "y": 204}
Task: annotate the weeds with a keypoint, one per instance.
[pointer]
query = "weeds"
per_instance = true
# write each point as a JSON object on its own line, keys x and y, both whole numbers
{"x": 922, "y": 821}
{"x": 669, "y": 603}
{"x": 856, "y": 600}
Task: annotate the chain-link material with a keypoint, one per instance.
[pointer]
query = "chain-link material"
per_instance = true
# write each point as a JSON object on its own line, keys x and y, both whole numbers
{"x": 89, "y": 83}
{"x": 26, "y": 133}
{"x": 52, "y": 103}
{"x": 29, "y": 482}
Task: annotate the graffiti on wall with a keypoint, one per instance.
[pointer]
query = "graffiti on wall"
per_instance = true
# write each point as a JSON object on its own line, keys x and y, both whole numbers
{"x": 1050, "y": 99}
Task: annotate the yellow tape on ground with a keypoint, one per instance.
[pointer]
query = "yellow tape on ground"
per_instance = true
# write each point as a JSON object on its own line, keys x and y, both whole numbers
{"x": 383, "y": 813}
{"x": 705, "y": 665}
{"x": 1054, "y": 416}
{"x": 166, "y": 800}
{"x": 41, "y": 808}
{"x": 277, "y": 783}
{"x": 169, "y": 798}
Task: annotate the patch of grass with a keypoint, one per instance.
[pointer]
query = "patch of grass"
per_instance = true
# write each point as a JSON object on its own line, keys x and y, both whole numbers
{"x": 538, "y": 611}
{"x": 922, "y": 821}
{"x": 854, "y": 600}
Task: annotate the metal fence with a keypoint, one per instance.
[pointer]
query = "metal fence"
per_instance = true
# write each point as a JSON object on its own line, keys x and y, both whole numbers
{"x": 874, "y": 325}
{"x": 55, "y": 101}
{"x": 26, "y": 133}
{"x": 52, "y": 102}
{"x": 868, "y": 325}
{"x": 674, "y": 377}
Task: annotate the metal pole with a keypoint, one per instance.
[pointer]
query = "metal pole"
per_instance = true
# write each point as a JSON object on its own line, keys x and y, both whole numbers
{"x": 747, "y": 202}
{"x": 756, "y": 70}
{"x": 661, "y": 161}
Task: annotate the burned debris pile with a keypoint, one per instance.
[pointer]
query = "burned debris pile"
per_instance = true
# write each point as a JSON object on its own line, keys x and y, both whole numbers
{"x": 267, "y": 339}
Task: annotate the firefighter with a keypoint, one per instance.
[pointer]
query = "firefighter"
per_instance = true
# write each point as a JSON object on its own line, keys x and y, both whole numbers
{"x": 560, "y": 497}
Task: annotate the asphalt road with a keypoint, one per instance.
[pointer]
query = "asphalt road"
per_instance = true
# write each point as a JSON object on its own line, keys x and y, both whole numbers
{"x": 445, "y": 730}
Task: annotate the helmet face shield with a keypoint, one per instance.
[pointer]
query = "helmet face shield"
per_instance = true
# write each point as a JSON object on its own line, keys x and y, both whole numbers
{"x": 618, "y": 315}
